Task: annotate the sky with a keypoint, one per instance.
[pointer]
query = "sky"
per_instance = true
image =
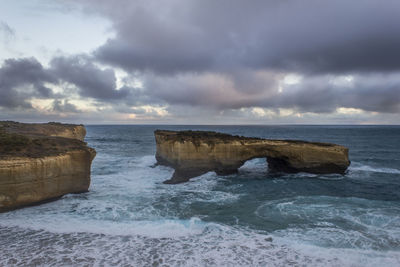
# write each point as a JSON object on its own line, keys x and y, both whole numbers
{"x": 200, "y": 62}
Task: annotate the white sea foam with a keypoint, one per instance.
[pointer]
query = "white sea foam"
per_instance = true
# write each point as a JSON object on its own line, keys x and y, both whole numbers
{"x": 260, "y": 166}
{"x": 153, "y": 229}
{"x": 336, "y": 222}
{"x": 131, "y": 201}
{"x": 216, "y": 245}
{"x": 358, "y": 167}
{"x": 257, "y": 165}
{"x": 131, "y": 218}
{"x": 340, "y": 256}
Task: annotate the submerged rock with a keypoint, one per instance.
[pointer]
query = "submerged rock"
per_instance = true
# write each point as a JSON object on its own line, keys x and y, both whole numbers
{"x": 41, "y": 162}
{"x": 193, "y": 153}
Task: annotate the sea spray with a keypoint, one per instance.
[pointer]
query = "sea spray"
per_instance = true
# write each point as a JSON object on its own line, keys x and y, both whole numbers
{"x": 252, "y": 218}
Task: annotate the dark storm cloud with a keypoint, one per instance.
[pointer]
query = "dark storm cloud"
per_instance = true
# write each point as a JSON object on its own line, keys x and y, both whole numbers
{"x": 317, "y": 94}
{"x": 303, "y": 36}
{"x": 26, "y": 78}
{"x": 222, "y": 56}
{"x": 372, "y": 92}
{"x": 21, "y": 79}
{"x": 90, "y": 79}
{"x": 64, "y": 106}
{"x": 375, "y": 93}
{"x": 233, "y": 54}
{"x": 215, "y": 90}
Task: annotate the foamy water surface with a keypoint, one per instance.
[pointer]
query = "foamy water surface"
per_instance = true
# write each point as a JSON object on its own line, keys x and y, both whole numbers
{"x": 252, "y": 218}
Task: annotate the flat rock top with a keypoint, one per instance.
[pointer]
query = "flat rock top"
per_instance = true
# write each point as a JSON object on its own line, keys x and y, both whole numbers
{"x": 210, "y": 137}
{"x": 34, "y": 140}
{"x": 48, "y": 129}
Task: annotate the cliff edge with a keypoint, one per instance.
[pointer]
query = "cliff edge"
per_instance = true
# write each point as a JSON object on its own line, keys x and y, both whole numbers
{"x": 41, "y": 162}
{"x": 192, "y": 153}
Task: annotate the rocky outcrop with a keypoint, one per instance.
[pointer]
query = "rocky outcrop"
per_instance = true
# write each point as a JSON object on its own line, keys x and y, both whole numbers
{"x": 41, "y": 162}
{"x": 48, "y": 129}
{"x": 192, "y": 153}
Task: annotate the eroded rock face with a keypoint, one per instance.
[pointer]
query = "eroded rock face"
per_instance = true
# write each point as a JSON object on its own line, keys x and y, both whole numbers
{"x": 41, "y": 162}
{"x": 192, "y": 153}
{"x": 48, "y": 129}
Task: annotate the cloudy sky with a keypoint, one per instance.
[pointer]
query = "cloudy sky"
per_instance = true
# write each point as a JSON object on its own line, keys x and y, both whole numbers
{"x": 200, "y": 61}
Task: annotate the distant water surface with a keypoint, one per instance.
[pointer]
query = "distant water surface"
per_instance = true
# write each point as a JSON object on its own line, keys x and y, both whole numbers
{"x": 252, "y": 218}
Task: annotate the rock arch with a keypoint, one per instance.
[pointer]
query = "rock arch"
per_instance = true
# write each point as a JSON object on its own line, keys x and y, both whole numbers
{"x": 192, "y": 153}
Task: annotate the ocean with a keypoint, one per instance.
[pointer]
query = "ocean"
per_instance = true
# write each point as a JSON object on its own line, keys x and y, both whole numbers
{"x": 252, "y": 218}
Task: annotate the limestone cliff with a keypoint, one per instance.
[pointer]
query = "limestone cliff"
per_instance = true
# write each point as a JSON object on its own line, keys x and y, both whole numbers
{"x": 192, "y": 153}
{"x": 48, "y": 129}
{"x": 40, "y": 162}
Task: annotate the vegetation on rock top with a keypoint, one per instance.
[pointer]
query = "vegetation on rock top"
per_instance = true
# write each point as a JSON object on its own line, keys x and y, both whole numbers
{"x": 211, "y": 137}
{"x": 13, "y": 144}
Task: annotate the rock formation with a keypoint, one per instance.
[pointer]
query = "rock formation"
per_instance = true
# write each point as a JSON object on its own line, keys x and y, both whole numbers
{"x": 49, "y": 129}
{"x": 41, "y": 162}
{"x": 192, "y": 153}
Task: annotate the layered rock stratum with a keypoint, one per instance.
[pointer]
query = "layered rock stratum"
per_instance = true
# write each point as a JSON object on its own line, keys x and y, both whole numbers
{"x": 193, "y": 153}
{"x": 42, "y": 162}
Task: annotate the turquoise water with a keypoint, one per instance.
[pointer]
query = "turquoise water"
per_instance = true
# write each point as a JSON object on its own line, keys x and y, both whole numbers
{"x": 252, "y": 218}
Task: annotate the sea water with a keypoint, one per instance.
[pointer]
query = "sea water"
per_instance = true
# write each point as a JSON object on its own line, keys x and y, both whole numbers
{"x": 252, "y": 218}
